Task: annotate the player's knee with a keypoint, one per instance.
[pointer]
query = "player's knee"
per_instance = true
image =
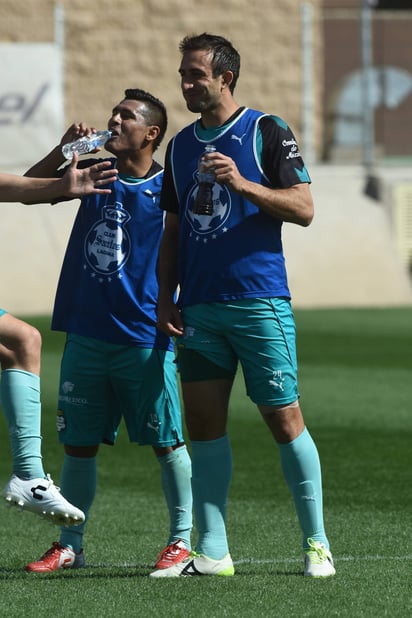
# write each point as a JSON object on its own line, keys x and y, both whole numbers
{"x": 28, "y": 349}
{"x": 284, "y": 421}
{"x": 23, "y": 348}
{"x": 33, "y": 340}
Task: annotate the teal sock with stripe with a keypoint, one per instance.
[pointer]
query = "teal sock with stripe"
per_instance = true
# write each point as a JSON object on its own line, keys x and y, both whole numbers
{"x": 176, "y": 472}
{"x": 211, "y": 477}
{"x": 302, "y": 472}
{"x": 78, "y": 486}
{"x": 20, "y": 398}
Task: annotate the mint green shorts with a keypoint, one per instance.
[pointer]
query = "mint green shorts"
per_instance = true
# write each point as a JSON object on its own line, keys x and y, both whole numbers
{"x": 258, "y": 333}
{"x": 101, "y": 383}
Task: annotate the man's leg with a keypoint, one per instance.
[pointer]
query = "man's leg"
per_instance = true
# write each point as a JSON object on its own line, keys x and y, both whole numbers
{"x": 20, "y": 398}
{"x": 212, "y": 474}
{"x": 206, "y": 405}
{"x": 301, "y": 467}
{"x": 78, "y": 482}
{"x": 302, "y": 472}
{"x": 176, "y": 472}
{"x": 29, "y": 488}
{"x": 20, "y": 349}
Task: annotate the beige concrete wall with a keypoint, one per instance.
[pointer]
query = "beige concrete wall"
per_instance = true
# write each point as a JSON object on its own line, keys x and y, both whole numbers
{"x": 113, "y": 45}
{"x": 347, "y": 256}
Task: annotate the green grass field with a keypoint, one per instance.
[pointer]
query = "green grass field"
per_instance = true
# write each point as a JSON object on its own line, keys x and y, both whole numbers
{"x": 355, "y": 382}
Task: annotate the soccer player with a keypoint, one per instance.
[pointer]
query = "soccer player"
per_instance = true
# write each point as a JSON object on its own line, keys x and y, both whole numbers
{"x": 234, "y": 301}
{"x": 20, "y": 347}
{"x": 116, "y": 363}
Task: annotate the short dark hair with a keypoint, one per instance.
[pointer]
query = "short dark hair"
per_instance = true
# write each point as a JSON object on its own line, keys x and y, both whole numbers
{"x": 155, "y": 113}
{"x": 225, "y": 57}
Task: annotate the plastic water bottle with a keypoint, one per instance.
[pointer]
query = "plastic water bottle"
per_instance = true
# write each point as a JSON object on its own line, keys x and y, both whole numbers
{"x": 85, "y": 144}
{"x": 203, "y": 204}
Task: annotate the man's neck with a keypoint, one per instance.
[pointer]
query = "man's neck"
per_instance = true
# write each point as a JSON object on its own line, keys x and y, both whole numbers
{"x": 136, "y": 167}
{"x": 220, "y": 115}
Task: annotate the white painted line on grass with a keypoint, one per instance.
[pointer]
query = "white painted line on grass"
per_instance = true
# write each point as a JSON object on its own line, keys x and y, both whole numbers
{"x": 360, "y": 558}
{"x": 336, "y": 559}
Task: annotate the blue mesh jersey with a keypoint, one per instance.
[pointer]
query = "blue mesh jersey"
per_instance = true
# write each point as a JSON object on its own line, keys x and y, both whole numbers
{"x": 108, "y": 286}
{"x": 237, "y": 252}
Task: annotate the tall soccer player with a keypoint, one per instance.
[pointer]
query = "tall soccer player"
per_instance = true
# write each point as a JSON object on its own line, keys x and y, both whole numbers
{"x": 234, "y": 300}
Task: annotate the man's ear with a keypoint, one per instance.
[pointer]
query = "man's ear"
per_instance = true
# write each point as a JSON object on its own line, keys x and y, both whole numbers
{"x": 227, "y": 78}
{"x": 152, "y": 132}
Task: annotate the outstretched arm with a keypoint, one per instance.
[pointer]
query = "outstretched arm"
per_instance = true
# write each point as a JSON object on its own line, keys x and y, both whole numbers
{"x": 74, "y": 183}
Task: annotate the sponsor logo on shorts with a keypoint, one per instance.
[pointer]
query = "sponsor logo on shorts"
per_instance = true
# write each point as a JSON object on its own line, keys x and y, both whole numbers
{"x": 277, "y": 380}
{"x": 67, "y": 388}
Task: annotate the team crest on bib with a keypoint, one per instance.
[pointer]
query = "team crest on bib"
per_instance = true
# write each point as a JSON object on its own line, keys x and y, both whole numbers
{"x": 107, "y": 244}
{"x": 209, "y": 225}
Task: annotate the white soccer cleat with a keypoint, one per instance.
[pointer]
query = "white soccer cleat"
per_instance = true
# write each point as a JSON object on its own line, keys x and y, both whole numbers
{"x": 318, "y": 560}
{"x": 43, "y": 497}
{"x": 198, "y": 564}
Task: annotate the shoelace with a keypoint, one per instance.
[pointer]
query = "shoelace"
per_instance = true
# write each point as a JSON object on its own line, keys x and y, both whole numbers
{"x": 316, "y": 552}
{"x": 55, "y": 547}
{"x": 51, "y": 482}
{"x": 170, "y": 551}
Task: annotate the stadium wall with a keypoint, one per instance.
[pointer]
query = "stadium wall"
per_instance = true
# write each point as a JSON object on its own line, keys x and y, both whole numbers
{"x": 346, "y": 258}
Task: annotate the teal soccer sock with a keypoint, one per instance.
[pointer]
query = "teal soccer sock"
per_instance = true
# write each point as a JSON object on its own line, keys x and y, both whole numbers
{"x": 176, "y": 472}
{"x": 211, "y": 477}
{"x": 78, "y": 486}
{"x": 302, "y": 472}
{"x": 20, "y": 397}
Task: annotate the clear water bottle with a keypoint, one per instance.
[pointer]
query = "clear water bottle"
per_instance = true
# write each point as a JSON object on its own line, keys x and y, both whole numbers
{"x": 203, "y": 204}
{"x": 85, "y": 144}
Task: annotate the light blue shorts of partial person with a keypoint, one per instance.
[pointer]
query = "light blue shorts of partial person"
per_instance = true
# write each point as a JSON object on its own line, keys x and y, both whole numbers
{"x": 101, "y": 383}
{"x": 2, "y": 312}
{"x": 260, "y": 333}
